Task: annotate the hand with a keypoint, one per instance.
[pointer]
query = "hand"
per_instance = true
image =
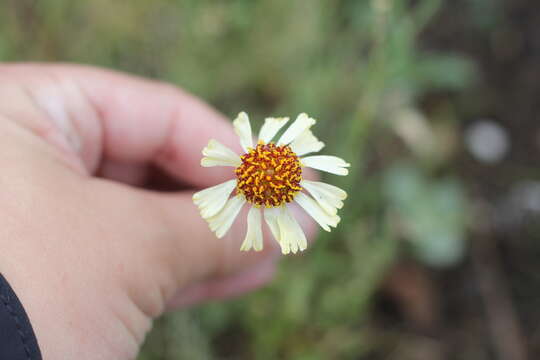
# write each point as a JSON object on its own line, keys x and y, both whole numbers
{"x": 92, "y": 254}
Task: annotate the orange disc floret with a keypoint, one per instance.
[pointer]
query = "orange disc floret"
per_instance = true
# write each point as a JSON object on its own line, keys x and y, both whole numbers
{"x": 269, "y": 175}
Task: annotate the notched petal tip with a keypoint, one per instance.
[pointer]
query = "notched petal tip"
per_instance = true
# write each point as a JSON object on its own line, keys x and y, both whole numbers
{"x": 245, "y": 248}
{"x": 212, "y": 144}
{"x": 305, "y": 117}
{"x": 206, "y": 162}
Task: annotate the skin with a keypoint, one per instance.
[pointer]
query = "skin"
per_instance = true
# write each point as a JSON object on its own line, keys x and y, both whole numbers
{"x": 93, "y": 253}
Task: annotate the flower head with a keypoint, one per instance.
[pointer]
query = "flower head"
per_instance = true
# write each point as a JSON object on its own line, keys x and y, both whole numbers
{"x": 269, "y": 178}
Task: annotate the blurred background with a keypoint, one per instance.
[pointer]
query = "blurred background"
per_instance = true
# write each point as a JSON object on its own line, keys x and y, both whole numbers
{"x": 436, "y": 105}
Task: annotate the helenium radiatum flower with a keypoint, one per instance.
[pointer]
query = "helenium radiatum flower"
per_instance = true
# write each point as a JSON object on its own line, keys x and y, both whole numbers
{"x": 268, "y": 177}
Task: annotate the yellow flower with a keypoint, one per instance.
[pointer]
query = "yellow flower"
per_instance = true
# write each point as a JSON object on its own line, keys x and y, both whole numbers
{"x": 269, "y": 178}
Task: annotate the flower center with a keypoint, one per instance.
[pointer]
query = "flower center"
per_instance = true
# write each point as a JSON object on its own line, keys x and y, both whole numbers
{"x": 269, "y": 175}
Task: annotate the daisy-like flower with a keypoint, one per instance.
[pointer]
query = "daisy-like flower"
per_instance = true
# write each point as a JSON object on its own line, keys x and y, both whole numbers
{"x": 269, "y": 178}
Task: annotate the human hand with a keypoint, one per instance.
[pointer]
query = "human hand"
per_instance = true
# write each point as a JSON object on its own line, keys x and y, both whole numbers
{"x": 91, "y": 253}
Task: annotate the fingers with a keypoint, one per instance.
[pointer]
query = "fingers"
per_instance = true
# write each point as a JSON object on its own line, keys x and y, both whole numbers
{"x": 135, "y": 123}
{"x": 195, "y": 254}
{"x": 145, "y": 121}
{"x": 225, "y": 287}
{"x": 122, "y": 119}
{"x": 128, "y": 173}
{"x": 203, "y": 255}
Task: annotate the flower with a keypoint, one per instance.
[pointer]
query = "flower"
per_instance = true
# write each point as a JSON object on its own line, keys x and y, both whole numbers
{"x": 269, "y": 177}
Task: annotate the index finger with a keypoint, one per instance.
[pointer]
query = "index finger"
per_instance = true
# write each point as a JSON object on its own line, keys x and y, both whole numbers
{"x": 140, "y": 121}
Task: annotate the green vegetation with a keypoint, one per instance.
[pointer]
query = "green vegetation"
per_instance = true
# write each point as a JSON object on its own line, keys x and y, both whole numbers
{"x": 357, "y": 67}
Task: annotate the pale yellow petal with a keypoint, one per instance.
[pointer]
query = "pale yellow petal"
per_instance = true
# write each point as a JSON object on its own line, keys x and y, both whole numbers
{"x": 217, "y": 154}
{"x": 329, "y": 197}
{"x": 222, "y": 221}
{"x": 254, "y": 236}
{"x": 327, "y": 163}
{"x": 271, "y": 216}
{"x": 211, "y": 200}
{"x": 306, "y": 143}
{"x": 242, "y": 127}
{"x": 324, "y": 219}
{"x": 291, "y": 234}
{"x": 271, "y": 127}
{"x": 301, "y": 124}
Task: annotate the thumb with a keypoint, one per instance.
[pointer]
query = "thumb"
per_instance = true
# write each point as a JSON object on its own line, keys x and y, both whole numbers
{"x": 203, "y": 266}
